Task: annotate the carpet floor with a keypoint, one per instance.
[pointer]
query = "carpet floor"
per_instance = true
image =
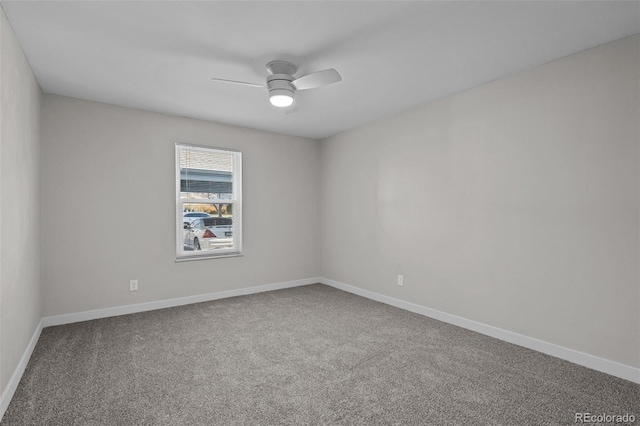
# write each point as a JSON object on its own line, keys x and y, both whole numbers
{"x": 309, "y": 355}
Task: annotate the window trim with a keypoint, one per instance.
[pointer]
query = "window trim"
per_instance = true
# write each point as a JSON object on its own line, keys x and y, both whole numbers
{"x": 236, "y": 200}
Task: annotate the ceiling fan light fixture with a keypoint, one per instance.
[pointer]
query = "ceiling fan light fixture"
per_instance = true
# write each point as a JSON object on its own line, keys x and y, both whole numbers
{"x": 281, "y": 98}
{"x": 282, "y": 85}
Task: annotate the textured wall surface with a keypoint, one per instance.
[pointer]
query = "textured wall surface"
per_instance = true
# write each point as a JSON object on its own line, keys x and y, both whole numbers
{"x": 515, "y": 204}
{"x": 109, "y": 207}
{"x": 20, "y": 198}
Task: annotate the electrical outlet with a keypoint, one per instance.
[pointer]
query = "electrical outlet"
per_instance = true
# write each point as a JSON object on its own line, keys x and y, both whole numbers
{"x": 133, "y": 285}
{"x": 400, "y": 280}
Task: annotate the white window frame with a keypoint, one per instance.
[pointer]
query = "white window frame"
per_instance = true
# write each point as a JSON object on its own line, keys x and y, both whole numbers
{"x": 236, "y": 200}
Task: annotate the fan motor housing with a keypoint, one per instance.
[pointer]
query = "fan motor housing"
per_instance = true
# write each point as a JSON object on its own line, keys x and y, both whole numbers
{"x": 280, "y": 84}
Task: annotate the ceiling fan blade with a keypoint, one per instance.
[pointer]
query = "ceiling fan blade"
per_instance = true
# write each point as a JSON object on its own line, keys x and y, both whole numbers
{"x": 244, "y": 83}
{"x": 290, "y": 110}
{"x": 317, "y": 79}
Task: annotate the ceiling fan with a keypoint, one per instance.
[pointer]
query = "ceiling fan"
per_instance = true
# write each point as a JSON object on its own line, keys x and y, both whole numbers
{"x": 282, "y": 85}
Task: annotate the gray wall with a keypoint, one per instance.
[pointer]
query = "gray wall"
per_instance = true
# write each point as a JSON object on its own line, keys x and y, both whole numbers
{"x": 515, "y": 204}
{"x": 109, "y": 207}
{"x": 20, "y": 250}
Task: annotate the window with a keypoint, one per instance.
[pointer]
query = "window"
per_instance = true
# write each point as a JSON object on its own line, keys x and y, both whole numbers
{"x": 208, "y": 202}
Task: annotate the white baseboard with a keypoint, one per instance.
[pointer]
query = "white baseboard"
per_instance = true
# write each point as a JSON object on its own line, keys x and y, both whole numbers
{"x": 590, "y": 361}
{"x": 169, "y": 303}
{"x": 11, "y": 387}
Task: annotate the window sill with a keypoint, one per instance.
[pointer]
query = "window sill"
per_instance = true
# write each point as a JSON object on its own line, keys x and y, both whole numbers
{"x": 208, "y": 256}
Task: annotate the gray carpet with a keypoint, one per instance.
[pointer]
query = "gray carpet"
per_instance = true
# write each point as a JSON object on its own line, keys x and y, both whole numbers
{"x": 310, "y": 355}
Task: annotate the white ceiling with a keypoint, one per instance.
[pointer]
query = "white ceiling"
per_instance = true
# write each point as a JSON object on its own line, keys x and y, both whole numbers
{"x": 392, "y": 55}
